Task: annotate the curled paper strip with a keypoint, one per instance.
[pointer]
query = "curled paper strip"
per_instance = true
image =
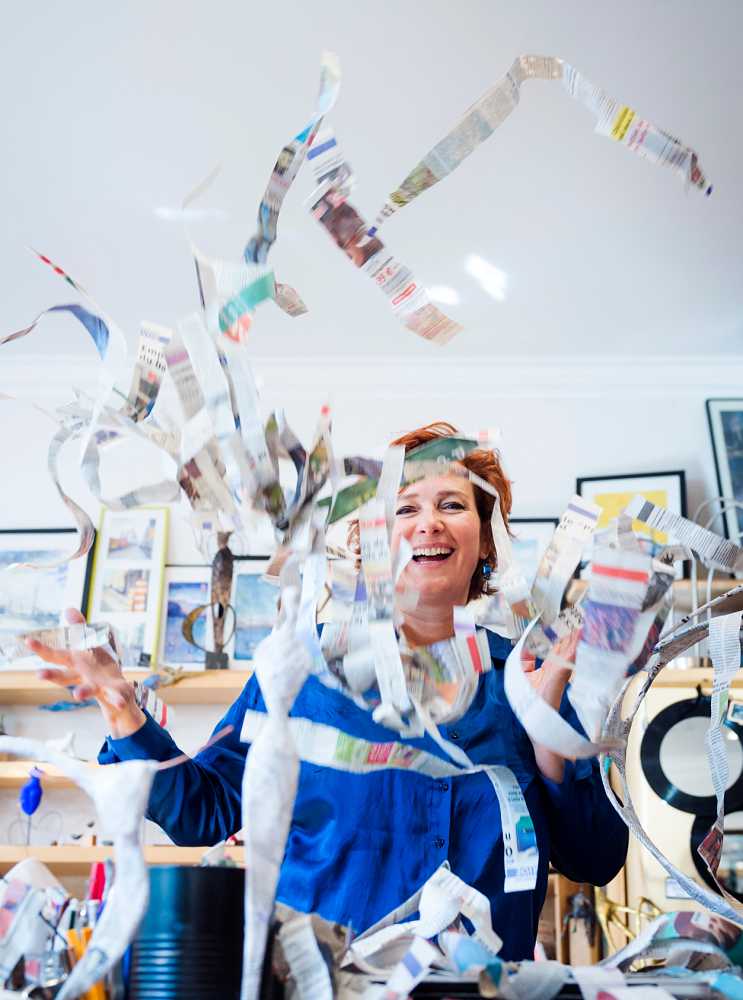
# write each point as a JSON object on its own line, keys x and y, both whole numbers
{"x": 120, "y": 793}
{"x": 347, "y": 228}
{"x": 616, "y": 730}
{"x": 93, "y": 324}
{"x": 270, "y": 784}
{"x": 725, "y": 650}
{"x": 613, "y": 120}
{"x": 712, "y": 549}
{"x": 289, "y": 161}
{"x": 572, "y": 534}
{"x": 72, "y": 637}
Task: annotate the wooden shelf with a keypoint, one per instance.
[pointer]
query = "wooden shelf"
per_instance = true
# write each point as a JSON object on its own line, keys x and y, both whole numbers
{"x": 671, "y": 677}
{"x": 14, "y": 774}
{"x": 74, "y": 860}
{"x": 210, "y": 687}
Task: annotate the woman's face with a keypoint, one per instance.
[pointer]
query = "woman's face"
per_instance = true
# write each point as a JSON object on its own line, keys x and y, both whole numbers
{"x": 439, "y": 519}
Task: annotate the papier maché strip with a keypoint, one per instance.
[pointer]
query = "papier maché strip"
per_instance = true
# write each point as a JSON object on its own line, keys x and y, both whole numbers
{"x": 347, "y": 228}
{"x": 712, "y": 549}
{"x": 617, "y": 122}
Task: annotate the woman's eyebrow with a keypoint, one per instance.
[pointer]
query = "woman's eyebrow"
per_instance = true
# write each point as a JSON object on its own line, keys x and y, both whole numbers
{"x": 438, "y": 496}
{"x": 452, "y": 493}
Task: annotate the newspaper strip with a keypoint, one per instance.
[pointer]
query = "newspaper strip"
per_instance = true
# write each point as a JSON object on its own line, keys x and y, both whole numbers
{"x": 149, "y": 370}
{"x": 120, "y": 794}
{"x": 572, "y": 534}
{"x": 618, "y": 584}
{"x": 509, "y": 577}
{"x": 289, "y": 161}
{"x": 411, "y": 969}
{"x": 269, "y": 784}
{"x": 702, "y": 931}
{"x": 217, "y": 399}
{"x": 596, "y": 982}
{"x": 613, "y": 120}
{"x": 93, "y": 324}
{"x": 115, "y": 354}
{"x": 328, "y": 163}
{"x": 347, "y": 228}
{"x": 440, "y": 901}
{"x": 724, "y": 648}
{"x": 714, "y": 551}
{"x": 380, "y": 589}
{"x": 69, "y": 431}
{"x": 306, "y": 963}
{"x": 73, "y": 637}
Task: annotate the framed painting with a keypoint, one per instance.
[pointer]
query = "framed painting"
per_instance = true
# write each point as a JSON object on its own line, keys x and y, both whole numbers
{"x": 127, "y": 580}
{"x": 36, "y": 598}
{"x": 531, "y": 536}
{"x": 725, "y": 418}
{"x": 256, "y": 605}
{"x": 185, "y": 588}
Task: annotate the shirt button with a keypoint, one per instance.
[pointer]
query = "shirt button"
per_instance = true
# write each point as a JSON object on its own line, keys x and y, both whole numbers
{"x": 439, "y": 842}
{"x": 443, "y": 786}
{"x": 454, "y": 734}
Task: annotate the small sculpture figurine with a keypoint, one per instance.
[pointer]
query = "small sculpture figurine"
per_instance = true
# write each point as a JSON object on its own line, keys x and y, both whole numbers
{"x": 220, "y": 607}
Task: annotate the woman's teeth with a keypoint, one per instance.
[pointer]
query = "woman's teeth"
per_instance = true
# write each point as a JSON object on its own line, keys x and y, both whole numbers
{"x": 436, "y": 554}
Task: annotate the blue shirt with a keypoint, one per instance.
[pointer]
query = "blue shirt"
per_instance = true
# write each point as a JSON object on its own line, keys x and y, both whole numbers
{"x": 360, "y": 844}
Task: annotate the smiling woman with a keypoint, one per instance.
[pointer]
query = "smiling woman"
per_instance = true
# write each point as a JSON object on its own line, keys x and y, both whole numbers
{"x": 485, "y": 464}
{"x": 365, "y": 836}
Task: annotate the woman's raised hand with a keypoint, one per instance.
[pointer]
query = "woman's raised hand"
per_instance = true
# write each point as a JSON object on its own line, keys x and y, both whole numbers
{"x": 92, "y": 673}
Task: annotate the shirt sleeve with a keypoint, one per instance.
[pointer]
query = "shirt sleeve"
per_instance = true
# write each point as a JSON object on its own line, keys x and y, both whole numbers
{"x": 589, "y": 839}
{"x": 196, "y": 802}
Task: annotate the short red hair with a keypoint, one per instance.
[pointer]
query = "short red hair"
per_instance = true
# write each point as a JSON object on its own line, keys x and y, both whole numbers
{"x": 485, "y": 464}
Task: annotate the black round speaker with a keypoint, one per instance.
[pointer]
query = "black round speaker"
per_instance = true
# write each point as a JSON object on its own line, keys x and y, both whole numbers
{"x": 190, "y": 943}
{"x": 656, "y": 777}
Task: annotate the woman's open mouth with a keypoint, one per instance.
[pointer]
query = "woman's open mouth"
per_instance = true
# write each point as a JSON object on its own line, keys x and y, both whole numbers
{"x": 432, "y": 554}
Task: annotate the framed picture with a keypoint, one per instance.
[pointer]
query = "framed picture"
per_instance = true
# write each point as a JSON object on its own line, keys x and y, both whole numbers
{"x": 127, "y": 580}
{"x": 36, "y": 598}
{"x": 725, "y": 418}
{"x": 613, "y": 493}
{"x": 185, "y": 588}
{"x": 256, "y": 604}
{"x": 531, "y": 536}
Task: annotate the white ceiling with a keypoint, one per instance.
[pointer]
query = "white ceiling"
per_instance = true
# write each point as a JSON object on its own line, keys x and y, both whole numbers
{"x": 111, "y": 110}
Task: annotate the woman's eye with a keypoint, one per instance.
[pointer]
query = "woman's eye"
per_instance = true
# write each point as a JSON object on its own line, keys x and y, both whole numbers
{"x": 452, "y": 505}
{"x": 403, "y": 510}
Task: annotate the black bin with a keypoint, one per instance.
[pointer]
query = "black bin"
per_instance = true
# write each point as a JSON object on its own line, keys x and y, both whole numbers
{"x": 190, "y": 943}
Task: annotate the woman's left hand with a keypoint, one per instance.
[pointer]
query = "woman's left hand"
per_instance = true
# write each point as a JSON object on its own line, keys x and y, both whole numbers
{"x": 549, "y": 682}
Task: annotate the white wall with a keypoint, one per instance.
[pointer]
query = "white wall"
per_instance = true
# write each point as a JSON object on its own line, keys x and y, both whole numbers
{"x": 559, "y": 418}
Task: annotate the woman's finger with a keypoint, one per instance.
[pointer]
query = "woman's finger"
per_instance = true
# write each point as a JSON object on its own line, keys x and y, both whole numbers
{"x": 528, "y": 662}
{"x": 74, "y": 617}
{"x": 65, "y": 678}
{"x": 62, "y": 657}
{"x": 84, "y": 691}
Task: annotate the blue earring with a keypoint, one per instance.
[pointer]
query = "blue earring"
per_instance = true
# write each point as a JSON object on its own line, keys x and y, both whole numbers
{"x": 487, "y": 569}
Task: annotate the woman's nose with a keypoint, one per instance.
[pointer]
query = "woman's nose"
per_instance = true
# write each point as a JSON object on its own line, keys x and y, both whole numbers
{"x": 428, "y": 521}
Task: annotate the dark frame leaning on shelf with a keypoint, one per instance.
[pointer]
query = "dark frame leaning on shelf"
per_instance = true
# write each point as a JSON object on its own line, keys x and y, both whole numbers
{"x": 36, "y": 598}
{"x": 666, "y": 488}
{"x": 527, "y": 530}
{"x": 725, "y": 420}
